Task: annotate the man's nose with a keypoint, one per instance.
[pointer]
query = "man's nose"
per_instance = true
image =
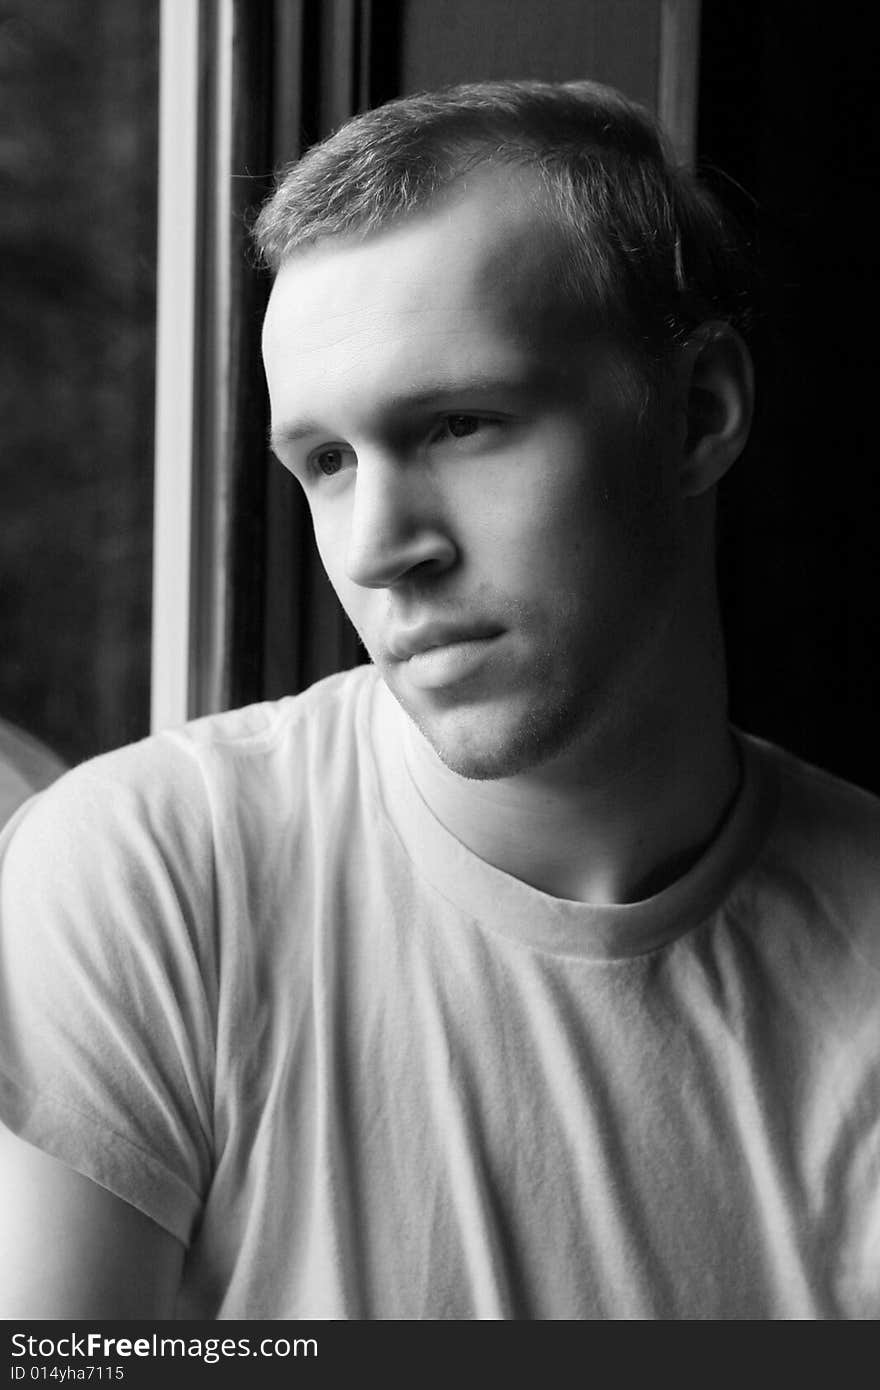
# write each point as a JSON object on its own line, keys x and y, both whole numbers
{"x": 397, "y": 524}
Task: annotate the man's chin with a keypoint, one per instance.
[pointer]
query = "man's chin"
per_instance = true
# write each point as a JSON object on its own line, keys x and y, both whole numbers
{"x": 484, "y": 765}
{"x": 483, "y": 743}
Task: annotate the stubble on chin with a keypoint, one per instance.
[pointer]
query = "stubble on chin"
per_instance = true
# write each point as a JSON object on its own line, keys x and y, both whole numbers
{"x": 492, "y": 739}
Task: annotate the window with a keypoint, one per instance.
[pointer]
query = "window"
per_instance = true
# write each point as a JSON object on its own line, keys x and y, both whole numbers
{"x": 78, "y": 95}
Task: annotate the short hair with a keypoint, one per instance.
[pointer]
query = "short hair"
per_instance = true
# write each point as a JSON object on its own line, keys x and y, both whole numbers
{"x": 643, "y": 244}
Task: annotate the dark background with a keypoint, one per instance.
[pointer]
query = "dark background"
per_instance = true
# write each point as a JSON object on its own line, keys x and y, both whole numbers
{"x": 78, "y": 167}
{"x": 787, "y": 109}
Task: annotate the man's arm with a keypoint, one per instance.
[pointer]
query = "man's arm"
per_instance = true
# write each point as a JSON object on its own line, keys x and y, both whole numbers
{"x": 70, "y": 1249}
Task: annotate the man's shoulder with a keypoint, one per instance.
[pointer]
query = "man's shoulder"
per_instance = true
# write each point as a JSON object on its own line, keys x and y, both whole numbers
{"x": 173, "y": 780}
{"x": 825, "y": 840}
{"x": 316, "y": 735}
{"x": 328, "y": 706}
{"x": 819, "y": 802}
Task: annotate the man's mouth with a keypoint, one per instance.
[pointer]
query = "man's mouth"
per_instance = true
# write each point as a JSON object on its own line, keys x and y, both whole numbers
{"x": 417, "y": 641}
{"x": 440, "y": 654}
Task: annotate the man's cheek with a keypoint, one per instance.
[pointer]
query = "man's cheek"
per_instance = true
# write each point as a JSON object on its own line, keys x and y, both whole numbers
{"x": 357, "y": 605}
{"x": 332, "y": 551}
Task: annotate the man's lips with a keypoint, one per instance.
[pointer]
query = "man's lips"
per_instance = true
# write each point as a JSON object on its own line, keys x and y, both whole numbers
{"x": 443, "y": 656}
{"x": 406, "y": 643}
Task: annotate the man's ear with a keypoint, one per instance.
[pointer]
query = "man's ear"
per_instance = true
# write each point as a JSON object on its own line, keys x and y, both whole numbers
{"x": 718, "y": 390}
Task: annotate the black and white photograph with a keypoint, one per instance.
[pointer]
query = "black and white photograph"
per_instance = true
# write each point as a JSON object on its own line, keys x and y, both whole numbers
{"x": 439, "y": 770}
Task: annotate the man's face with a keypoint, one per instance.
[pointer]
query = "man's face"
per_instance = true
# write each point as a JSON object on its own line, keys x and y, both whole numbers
{"x": 481, "y": 499}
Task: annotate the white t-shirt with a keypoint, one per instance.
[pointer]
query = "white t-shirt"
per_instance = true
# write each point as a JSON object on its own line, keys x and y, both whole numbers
{"x": 252, "y": 986}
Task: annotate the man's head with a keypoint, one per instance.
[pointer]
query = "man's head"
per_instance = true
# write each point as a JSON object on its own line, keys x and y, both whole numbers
{"x": 629, "y": 235}
{"x": 499, "y": 362}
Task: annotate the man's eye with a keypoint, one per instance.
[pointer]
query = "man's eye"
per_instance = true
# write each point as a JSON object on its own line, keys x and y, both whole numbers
{"x": 461, "y": 425}
{"x": 330, "y": 461}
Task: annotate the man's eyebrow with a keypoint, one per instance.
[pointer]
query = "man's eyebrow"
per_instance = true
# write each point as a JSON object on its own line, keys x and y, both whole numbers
{"x": 289, "y": 434}
{"x": 436, "y": 395}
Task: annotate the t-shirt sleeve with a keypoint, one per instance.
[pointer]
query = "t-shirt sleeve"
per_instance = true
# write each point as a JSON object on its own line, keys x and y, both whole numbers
{"x": 108, "y": 978}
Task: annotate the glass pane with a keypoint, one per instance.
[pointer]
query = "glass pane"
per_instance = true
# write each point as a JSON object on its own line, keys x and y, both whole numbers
{"x": 78, "y": 163}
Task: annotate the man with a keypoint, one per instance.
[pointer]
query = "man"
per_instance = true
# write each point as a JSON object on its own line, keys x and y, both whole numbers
{"x": 500, "y": 978}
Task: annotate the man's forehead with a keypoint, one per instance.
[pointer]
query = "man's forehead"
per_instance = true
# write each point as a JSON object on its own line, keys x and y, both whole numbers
{"x": 486, "y": 246}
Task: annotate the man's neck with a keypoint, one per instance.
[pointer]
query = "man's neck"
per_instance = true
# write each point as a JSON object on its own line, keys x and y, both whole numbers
{"x": 614, "y": 829}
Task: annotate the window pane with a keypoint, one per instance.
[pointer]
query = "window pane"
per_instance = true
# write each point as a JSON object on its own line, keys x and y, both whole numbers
{"x": 78, "y": 162}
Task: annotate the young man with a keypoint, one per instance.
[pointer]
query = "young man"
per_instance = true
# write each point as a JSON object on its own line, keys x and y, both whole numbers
{"x": 500, "y": 978}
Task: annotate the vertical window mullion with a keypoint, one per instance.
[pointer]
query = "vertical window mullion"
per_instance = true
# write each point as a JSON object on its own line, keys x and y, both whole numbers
{"x": 175, "y": 360}
{"x": 210, "y": 456}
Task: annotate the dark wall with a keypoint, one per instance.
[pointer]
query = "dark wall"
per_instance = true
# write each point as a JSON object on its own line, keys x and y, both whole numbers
{"x": 613, "y": 41}
{"x": 788, "y": 102}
